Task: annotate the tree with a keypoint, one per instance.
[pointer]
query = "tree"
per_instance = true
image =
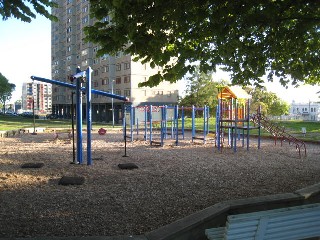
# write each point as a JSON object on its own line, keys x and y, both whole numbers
{"x": 248, "y": 38}
{"x": 20, "y": 9}
{"x": 6, "y": 90}
{"x": 201, "y": 90}
{"x": 270, "y": 103}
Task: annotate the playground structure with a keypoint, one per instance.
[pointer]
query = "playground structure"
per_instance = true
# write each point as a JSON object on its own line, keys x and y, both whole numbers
{"x": 159, "y": 123}
{"x": 233, "y": 115}
{"x": 80, "y": 78}
{"x": 233, "y": 118}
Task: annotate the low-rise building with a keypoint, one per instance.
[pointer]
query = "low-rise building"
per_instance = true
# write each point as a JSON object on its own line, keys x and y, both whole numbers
{"x": 305, "y": 111}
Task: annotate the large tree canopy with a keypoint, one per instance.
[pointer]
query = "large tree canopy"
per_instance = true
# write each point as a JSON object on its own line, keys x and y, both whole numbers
{"x": 271, "y": 104}
{"x": 20, "y": 9}
{"x": 248, "y": 38}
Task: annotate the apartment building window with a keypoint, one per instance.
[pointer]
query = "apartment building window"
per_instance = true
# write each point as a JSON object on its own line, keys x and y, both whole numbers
{"x": 69, "y": 58}
{"x": 84, "y": 52}
{"x": 104, "y": 57}
{"x": 95, "y": 72}
{"x": 118, "y": 67}
{"x": 118, "y": 91}
{"x": 106, "y": 68}
{"x": 157, "y": 92}
{"x": 118, "y": 80}
{"x": 126, "y": 79}
{"x": 96, "y": 61}
{"x": 95, "y": 84}
{"x": 68, "y": 39}
{"x": 85, "y": 19}
{"x": 169, "y": 94}
{"x": 69, "y": 10}
{"x": 84, "y": 62}
{"x": 85, "y": 9}
{"x": 118, "y": 55}
{"x": 126, "y": 65}
{"x": 127, "y": 93}
{"x": 69, "y": 48}
{"x": 105, "y": 19}
{"x": 69, "y": 29}
{"x": 95, "y": 49}
{"x": 69, "y": 1}
{"x": 105, "y": 81}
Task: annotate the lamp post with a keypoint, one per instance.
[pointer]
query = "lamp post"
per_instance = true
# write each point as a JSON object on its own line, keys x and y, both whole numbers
{"x": 112, "y": 107}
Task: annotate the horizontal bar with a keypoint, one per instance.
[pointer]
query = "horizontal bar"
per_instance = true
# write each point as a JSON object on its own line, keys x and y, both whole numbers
{"x": 73, "y": 86}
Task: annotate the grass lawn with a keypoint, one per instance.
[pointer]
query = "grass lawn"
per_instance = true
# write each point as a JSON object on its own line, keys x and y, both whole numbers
{"x": 292, "y": 127}
{"x": 17, "y": 122}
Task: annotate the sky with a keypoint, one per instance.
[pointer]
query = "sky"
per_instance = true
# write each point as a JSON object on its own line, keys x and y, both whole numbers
{"x": 25, "y": 50}
{"x": 302, "y": 94}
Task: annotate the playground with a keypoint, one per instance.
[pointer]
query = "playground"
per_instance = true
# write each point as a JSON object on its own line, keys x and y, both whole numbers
{"x": 171, "y": 182}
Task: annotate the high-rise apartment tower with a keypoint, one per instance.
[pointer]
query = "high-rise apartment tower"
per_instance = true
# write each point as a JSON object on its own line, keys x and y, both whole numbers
{"x": 116, "y": 74}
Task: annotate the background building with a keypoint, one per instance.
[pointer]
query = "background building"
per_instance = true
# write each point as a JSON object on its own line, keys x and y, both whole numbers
{"x": 116, "y": 74}
{"x": 305, "y": 111}
{"x": 39, "y": 94}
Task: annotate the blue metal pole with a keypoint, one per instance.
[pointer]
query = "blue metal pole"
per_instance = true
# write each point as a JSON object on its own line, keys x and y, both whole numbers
{"x": 162, "y": 125}
{"x": 131, "y": 122}
{"x": 235, "y": 125}
{"x": 145, "y": 123}
{"x": 208, "y": 117}
{"x": 218, "y": 131}
{"x": 79, "y": 117}
{"x": 182, "y": 122}
{"x": 150, "y": 113}
{"x": 259, "y": 126}
{"x": 89, "y": 113}
{"x": 204, "y": 123}
{"x": 165, "y": 116}
{"x": 193, "y": 130}
{"x": 176, "y": 115}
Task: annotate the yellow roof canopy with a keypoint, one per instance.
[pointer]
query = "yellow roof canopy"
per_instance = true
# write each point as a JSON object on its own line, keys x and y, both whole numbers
{"x": 235, "y": 92}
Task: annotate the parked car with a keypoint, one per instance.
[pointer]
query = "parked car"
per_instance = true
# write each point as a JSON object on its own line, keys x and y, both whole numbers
{"x": 29, "y": 115}
{"x": 51, "y": 116}
{"x": 11, "y": 113}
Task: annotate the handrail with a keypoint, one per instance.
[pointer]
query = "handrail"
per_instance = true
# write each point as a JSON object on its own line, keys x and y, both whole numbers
{"x": 278, "y": 132}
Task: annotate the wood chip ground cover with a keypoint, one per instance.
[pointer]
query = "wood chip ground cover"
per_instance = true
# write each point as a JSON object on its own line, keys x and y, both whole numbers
{"x": 170, "y": 183}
